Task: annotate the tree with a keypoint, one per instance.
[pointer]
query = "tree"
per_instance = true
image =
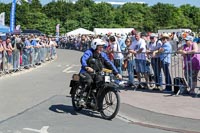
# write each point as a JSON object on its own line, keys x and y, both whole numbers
{"x": 85, "y": 18}
{"x": 163, "y": 14}
{"x": 135, "y": 15}
{"x": 102, "y": 15}
{"x": 71, "y": 25}
{"x": 192, "y": 14}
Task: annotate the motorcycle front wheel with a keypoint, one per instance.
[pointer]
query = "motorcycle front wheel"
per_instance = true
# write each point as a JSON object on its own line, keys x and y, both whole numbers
{"x": 109, "y": 104}
{"x": 75, "y": 99}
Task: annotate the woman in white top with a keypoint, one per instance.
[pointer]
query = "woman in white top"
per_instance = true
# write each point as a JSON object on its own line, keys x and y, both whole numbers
{"x": 118, "y": 56}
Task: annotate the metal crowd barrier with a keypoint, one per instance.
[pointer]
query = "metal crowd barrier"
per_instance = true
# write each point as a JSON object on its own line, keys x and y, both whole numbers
{"x": 19, "y": 60}
{"x": 177, "y": 75}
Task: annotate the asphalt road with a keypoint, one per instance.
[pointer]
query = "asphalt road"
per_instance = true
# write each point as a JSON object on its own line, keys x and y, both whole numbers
{"x": 38, "y": 100}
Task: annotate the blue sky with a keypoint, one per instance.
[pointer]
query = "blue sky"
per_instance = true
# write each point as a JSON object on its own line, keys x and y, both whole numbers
{"x": 149, "y": 2}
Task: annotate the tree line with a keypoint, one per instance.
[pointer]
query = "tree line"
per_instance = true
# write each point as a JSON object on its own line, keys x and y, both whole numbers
{"x": 88, "y": 14}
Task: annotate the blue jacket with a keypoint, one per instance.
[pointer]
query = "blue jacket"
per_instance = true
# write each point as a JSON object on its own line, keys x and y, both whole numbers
{"x": 89, "y": 53}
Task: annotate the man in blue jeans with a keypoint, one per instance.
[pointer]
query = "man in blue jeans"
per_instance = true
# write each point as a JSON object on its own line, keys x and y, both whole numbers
{"x": 165, "y": 59}
{"x": 154, "y": 45}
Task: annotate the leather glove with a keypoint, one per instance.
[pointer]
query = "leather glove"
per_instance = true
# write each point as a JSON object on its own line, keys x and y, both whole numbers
{"x": 119, "y": 76}
{"x": 89, "y": 69}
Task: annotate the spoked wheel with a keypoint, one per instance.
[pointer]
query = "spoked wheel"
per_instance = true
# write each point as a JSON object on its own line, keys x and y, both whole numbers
{"x": 110, "y": 104}
{"x": 75, "y": 99}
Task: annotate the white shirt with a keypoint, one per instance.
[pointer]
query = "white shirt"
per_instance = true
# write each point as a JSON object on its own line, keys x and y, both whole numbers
{"x": 137, "y": 45}
{"x": 117, "y": 51}
{"x": 154, "y": 46}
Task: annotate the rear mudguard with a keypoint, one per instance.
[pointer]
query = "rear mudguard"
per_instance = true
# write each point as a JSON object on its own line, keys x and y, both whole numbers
{"x": 73, "y": 85}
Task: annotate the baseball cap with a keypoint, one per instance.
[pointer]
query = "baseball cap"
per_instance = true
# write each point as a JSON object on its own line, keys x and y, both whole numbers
{"x": 189, "y": 38}
{"x": 153, "y": 35}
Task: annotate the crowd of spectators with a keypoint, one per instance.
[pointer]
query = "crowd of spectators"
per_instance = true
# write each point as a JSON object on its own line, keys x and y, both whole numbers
{"x": 146, "y": 57}
{"x": 18, "y": 52}
{"x": 143, "y": 55}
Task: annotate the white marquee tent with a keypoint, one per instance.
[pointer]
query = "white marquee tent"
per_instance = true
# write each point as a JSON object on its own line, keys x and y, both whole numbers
{"x": 80, "y": 31}
{"x": 98, "y": 31}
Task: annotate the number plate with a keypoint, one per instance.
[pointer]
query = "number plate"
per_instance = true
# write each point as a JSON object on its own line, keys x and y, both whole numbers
{"x": 107, "y": 78}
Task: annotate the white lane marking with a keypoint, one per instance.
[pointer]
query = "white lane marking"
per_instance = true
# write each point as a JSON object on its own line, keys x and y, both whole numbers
{"x": 59, "y": 65}
{"x": 71, "y": 72}
{"x": 125, "y": 118}
{"x": 76, "y": 65}
{"x": 67, "y": 69}
{"x": 42, "y": 130}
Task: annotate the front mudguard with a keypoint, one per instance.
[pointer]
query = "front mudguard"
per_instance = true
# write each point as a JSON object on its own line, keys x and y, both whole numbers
{"x": 112, "y": 86}
{"x": 106, "y": 88}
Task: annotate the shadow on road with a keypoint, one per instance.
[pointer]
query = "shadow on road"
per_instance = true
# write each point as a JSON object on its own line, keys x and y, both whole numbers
{"x": 60, "y": 108}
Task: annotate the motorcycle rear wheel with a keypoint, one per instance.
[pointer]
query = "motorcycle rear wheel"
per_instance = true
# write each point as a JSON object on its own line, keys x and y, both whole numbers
{"x": 75, "y": 99}
{"x": 109, "y": 104}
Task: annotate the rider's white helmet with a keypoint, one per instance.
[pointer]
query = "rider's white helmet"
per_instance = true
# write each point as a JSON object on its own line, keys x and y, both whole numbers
{"x": 97, "y": 42}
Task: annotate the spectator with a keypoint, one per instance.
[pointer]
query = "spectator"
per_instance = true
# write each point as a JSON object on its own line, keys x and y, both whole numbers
{"x": 42, "y": 49}
{"x": 154, "y": 45}
{"x": 118, "y": 57}
{"x": 121, "y": 40}
{"x": 139, "y": 46}
{"x": 32, "y": 55}
{"x": 174, "y": 42}
{"x": 53, "y": 49}
{"x": 197, "y": 40}
{"x": 191, "y": 62}
{"x": 27, "y": 51}
{"x": 16, "y": 53}
{"x": 37, "y": 51}
{"x": 165, "y": 56}
{"x": 1, "y": 54}
{"x": 9, "y": 49}
{"x": 129, "y": 56}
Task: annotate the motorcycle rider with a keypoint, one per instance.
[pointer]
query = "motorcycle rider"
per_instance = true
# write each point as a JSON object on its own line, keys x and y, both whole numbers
{"x": 94, "y": 60}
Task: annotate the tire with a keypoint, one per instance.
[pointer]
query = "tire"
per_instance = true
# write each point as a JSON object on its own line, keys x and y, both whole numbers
{"x": 75, "y": 100}
{"x": 107, "y": 101}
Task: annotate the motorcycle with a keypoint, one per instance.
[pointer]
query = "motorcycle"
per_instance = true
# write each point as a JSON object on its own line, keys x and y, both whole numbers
{"x": 102, "y": 97}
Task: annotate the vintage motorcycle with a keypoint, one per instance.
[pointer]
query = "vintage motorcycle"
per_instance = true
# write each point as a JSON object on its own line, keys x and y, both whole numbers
{"x": 102, "y": 97}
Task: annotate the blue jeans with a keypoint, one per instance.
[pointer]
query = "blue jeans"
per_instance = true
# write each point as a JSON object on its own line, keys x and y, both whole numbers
{"x": 130, "y": 67}
{"x": 119, "y": 68}
{"x": 155, "y": 63}
{"x": 16, "y": 60}
{"x": 42, "y": 53}
{"x": 25, "y": 59}
{"x": 141, "y": 66}
{"x": 168, "y": 80}
{"x": 37, "y": 55}
{"x": 32, "y": 57}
